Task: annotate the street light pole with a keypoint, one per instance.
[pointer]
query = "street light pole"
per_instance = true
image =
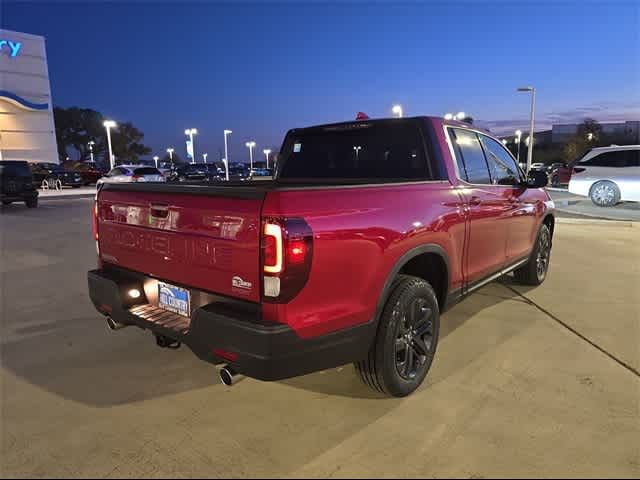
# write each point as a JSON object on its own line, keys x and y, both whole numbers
{"x": 531, "y": 123}
{"x": 226, "y": 153}
{"x": 170, "y": 152}
{"x": 266, "y": 154}
{"x": 250, "y": 146}
{"x": 204, "y": 155}
{"x": 518, "y": 135}
{"x": 191, "y": 132}
{"x": 109, "y": 124}
{"x": 155, "y": 159}
{"x": 91, "y": 144}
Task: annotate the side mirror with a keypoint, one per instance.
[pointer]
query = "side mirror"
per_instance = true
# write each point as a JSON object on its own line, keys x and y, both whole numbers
{"x": 537, "y": 179}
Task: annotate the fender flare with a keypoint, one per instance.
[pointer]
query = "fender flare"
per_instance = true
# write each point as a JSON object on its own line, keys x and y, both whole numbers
{"x": 401, "y": 262}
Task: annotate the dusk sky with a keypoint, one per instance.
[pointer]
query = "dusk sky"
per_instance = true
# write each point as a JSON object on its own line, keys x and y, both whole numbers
{"x": 262, "y": 68}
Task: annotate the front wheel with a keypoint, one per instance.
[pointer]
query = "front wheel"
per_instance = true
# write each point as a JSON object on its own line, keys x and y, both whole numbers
{"x": 535, "y": 270}
{"x": 605, "y": 194}
{"x": 406, "y": 342}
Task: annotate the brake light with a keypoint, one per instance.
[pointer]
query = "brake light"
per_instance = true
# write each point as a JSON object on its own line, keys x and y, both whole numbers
{"x": 136, "y": 178}
{"x": 287, "y": 251}
{"x": 296, "y": 251}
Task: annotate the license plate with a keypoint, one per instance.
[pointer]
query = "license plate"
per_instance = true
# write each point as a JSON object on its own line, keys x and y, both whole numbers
{"x": 174, "y": 299}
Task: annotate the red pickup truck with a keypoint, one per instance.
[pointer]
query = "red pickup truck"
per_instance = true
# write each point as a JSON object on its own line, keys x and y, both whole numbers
{"x": 367, "y": 233}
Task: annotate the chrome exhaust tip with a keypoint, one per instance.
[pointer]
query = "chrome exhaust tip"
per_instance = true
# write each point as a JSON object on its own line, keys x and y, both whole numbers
{"x": 226, "y": 375}
{"x": 113, "y": 325}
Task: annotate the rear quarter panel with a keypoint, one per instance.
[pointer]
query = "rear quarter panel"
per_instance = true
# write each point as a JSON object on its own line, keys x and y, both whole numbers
{"x": 359, "y": 234}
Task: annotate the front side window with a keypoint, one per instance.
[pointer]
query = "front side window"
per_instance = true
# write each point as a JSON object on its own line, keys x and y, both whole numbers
{"x": 502, "y": 166}
{"x": 472, "y": 163}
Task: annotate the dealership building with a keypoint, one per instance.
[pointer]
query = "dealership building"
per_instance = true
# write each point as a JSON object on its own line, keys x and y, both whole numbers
{"x": 27, "y": 131}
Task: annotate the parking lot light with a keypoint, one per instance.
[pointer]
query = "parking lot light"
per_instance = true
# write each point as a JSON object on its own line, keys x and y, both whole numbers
{"x": 170, "y": 152}
{"x": 226, "y": 153}
{"x": 250, "y": 145}
{"x": 109, "y": 124}
{"x": 397, "y": 111}
{"x": 448, "y": 116}
{"x": 266, "y": 152}
{"x": 532, "y": 115}
{"x": 155, "y": 159}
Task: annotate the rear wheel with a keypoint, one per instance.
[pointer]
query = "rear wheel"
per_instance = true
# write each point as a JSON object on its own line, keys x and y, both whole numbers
{"x": 555, "y": 181}
{"x": 605, "y": 194}
{"x": 406, "y": 342}
{"x": 535, "y": 271}
{"x": 32, "y": 202}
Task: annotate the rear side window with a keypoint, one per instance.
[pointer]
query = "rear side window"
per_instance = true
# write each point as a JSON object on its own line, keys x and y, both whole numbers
{"x": 146, "y": 171}
{"x": 472, "y": 163}
{"x": 15, "y": 169}
{"x": 633, "y": 158}
{"x": 391, "y": 150}
{"x": 608, "y": 159}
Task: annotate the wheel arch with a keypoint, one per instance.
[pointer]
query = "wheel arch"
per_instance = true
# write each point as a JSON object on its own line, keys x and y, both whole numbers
{"x": 419, "y": 262}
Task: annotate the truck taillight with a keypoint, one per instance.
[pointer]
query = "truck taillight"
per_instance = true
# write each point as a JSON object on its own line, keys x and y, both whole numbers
{"x": 287, "y": 251}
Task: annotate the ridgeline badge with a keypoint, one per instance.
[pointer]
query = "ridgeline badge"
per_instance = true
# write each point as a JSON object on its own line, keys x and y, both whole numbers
{"x": 12, "y": 48}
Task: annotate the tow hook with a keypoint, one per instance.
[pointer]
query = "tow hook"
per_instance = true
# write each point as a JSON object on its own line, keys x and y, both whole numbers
{"x": 166, "y": 342}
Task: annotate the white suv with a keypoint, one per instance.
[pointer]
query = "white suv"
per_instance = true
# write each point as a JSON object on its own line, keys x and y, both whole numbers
{"x": 608, "y": 175}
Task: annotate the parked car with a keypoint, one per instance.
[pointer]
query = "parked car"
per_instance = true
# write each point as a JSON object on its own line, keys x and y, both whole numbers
{"x": 90, "y": 172}
{"x": 261, "y": 174}
{"x": 132, "y": 174}
{"x": 195, "y": 172}
{"x": 608, "y": 175}
{"x": 16, "y": 183}
{"x": 238, "y": 172}
{"x": 538, "y": 166}
{"x": 369, "y": 231}
{"x": 53, "y": 176}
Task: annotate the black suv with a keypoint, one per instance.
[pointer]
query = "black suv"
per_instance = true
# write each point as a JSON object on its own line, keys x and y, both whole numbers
{"x": 16, "y": 184}
{"x": 52, "y": 175}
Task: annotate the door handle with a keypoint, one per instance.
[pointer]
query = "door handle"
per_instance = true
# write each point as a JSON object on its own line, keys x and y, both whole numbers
{"x": 474, "y": 201}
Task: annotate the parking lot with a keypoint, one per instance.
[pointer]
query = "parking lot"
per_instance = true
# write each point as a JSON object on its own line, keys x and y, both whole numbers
{"x": 540, "y": 382}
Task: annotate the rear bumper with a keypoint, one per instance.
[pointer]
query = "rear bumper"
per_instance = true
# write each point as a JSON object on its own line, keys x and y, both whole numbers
{"x": 252, "y": 347}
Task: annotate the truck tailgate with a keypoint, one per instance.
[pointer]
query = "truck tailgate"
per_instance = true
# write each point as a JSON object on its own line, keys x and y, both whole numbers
{"x": 202, "y": 237}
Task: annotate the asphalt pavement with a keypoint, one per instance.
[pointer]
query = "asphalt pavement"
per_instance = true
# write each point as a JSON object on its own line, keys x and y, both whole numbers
{"x": 527, "y": 382}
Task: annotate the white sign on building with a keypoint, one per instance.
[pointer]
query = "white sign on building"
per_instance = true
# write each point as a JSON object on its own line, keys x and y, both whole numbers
{"x": 27, "y": 131}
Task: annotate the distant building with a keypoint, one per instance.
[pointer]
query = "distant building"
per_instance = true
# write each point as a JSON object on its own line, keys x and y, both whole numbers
{"x": 27, "y": 131}
{"x": 628, "y": 130}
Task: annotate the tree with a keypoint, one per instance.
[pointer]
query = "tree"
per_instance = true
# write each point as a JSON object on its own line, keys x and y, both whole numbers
{"x": 126, "y": 143}
{"x": 588, "y": 135}
{"x": 177, "y": 159}
{"x": 76, "y": 127}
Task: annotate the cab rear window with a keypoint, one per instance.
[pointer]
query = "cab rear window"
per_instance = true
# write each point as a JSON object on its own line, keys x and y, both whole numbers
{"x": 390, "y": 150}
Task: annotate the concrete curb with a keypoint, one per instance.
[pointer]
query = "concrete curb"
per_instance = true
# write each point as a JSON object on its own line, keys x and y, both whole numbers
{"x": 597, "y": 222}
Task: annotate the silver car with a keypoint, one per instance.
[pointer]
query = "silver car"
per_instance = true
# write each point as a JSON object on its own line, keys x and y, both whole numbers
{"x": 133, "y": 173}
{"x": 608, "y": 175}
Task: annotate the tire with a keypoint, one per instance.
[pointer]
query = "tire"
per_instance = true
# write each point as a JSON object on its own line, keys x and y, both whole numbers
{"x": 555, "y": 181}
{"x": 32, "y": 203}
{"x": 605, "y": 194}
{"x": 535, "y": 270}
{"x": 6, "y": 202}
{"x": 401, "y": 357}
